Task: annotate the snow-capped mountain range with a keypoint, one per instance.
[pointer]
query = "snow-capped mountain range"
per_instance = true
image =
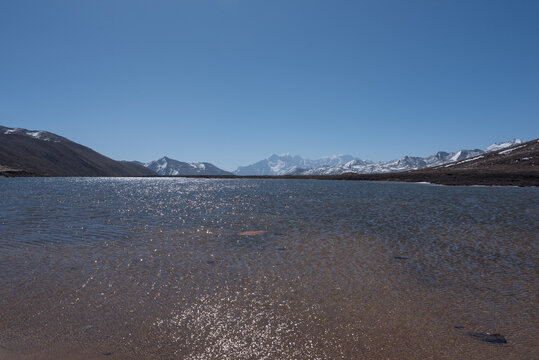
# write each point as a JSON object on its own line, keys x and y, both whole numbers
{"x": 287, "y": 164}
{"x": 295, "y": 165}
{"x": 168, "y": 166}
{"x": 36, "y": 152}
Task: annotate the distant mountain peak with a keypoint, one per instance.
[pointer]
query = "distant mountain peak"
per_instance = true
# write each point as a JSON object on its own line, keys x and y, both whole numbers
{"x": 172, "y": 167}
{"x": 287, "y": 164}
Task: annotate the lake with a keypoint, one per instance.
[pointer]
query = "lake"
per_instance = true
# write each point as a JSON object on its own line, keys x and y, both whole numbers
{"x": 121, "y": 268}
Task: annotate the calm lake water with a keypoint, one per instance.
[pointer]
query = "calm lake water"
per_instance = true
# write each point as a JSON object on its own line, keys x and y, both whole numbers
{"x": 156, "y": 268}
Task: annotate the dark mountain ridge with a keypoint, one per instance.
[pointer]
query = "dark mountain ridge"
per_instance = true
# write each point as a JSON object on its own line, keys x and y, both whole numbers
{"x": 519, "y": 157}
{"x": 40, "y": 153}
{"x": 516, "y": 165}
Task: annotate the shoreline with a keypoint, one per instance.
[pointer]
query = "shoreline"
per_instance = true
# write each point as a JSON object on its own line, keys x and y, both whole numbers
{"x": 450, "y": 178}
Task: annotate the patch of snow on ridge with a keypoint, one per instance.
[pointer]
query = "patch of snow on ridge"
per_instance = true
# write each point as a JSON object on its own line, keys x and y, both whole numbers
{"x": 162, "y": 164}
{"x": 503, "y": 145}
{"x": 456, "y": 156}
{"x": 464, "y": 161}
{"x": 471, "y": 159}
{"x": 200, "y": 166}
{"x": 510, "y": 150}
{"x": 39, "y": 135}
{"x": 35, "y": 134}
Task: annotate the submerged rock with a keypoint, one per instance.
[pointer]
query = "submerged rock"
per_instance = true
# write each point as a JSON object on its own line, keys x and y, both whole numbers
{"x": 488, "y": 337}
{"x": 248, "y": 233}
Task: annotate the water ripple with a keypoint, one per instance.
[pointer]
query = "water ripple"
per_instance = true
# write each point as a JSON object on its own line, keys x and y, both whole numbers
{"x": 197, "y": 269}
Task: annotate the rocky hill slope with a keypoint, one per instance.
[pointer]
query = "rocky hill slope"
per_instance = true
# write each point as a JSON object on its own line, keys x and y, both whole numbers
{"x": 40, "y": 153}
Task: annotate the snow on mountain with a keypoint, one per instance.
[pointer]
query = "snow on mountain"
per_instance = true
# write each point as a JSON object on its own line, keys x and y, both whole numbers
{"x": 333, "y": 165}
{"x": 36, "y": 134}
{"x": 405, "y": 163}
{"x": 168, "y": 166}
{"x": 287, "y": 164}
{"x": 41, "y": 153}
{"x": 503, "y": 145}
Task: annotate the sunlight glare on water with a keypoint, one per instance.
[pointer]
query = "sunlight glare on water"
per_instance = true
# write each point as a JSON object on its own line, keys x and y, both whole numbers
{"x": 265, "y": 269}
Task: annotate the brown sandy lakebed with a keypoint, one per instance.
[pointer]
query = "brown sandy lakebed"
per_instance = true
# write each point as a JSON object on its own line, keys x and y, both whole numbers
{"x": 157, "y": 268}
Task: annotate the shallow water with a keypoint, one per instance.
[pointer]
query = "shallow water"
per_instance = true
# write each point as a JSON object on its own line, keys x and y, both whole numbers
{"x": 157, "y": 268}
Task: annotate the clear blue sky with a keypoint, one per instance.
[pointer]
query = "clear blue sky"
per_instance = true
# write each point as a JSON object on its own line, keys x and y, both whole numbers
{"x": 232, "y": 81}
